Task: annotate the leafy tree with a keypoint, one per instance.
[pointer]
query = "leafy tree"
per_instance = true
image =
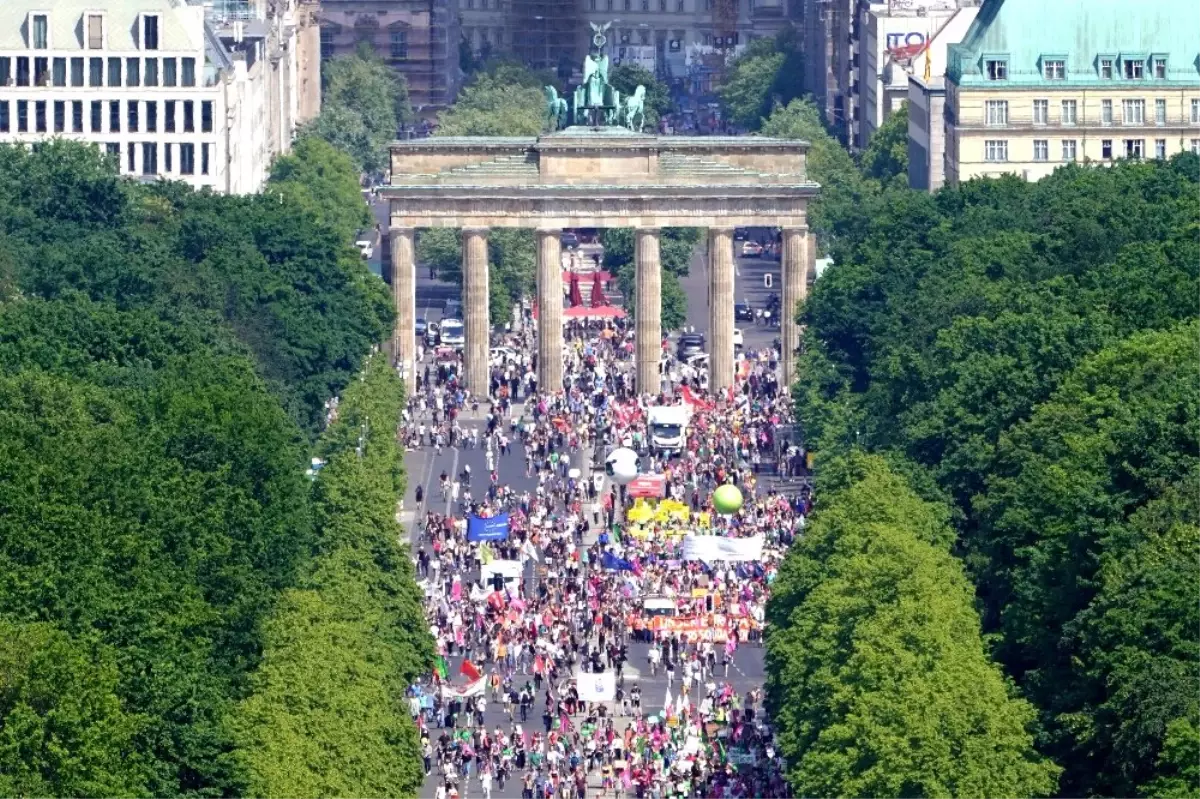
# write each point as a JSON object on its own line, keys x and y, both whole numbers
{"x": 886, "y": 157}
{"x": 768, "y": 73}
{"x": 676, "y": 248}
{"x": 495, "y": 105}
{"x": 320, "y": 177}
{"x": 512, "y": 265}
{"x": 627, "y": 76}
{"x": 63, "y": 730}
{"x": 878, "y": 679}
{"x": 363, "y": 105}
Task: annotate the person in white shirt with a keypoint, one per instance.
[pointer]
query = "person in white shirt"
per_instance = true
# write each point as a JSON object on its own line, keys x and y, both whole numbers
{"x": 485, "y": 784}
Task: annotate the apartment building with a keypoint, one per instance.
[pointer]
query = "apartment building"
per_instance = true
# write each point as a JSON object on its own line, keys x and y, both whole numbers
{"x": 680, "y": 40}
{"x": 418, "y": 38}
{"x": 1034, "y": 85}
{"x": 926, "y": 88}
{"x": 152, "y": 84}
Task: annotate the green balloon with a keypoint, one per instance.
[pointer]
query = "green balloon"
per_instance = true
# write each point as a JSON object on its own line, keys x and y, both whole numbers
{"x": 727, "y": 499}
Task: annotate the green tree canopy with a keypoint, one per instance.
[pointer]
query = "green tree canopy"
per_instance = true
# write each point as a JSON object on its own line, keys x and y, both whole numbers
{"x": 769, "y": 72}
{"x": 885, "y": 158}
{"x": 879, "y": 682}
{"x": 495, "y": 104}
{"x": 627, "y": 76}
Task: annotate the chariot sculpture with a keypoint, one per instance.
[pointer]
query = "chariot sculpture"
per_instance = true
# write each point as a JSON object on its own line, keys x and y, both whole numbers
{"x": 595, "y": 102}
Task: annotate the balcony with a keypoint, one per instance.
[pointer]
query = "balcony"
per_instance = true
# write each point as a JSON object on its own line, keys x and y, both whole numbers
{"x": 1027, "y": 123}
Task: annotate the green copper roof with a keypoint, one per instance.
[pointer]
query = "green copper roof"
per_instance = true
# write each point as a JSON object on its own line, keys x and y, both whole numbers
{"x": 1082, "y": 33}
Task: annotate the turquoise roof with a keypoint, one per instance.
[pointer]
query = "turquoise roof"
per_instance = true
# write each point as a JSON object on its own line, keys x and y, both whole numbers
{"x": 1081, "y": 33}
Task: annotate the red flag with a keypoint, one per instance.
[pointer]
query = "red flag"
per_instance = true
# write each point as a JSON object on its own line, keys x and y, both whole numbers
{"x": 687, "y": 395}
{"x": 470, "y": 670}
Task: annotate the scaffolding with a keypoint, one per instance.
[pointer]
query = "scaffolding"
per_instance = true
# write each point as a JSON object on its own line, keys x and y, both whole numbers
{"x": 548, "y": 34}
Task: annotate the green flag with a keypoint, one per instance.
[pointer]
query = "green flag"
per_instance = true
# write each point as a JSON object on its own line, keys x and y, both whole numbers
{"x": 441, "y": 668}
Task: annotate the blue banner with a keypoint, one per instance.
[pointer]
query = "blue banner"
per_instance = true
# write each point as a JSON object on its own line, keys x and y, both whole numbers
{"x": 494, "y": 528}
{"x": 611, "y": 561}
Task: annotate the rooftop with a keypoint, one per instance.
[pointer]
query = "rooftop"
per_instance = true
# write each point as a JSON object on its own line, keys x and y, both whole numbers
{"x": 180, "y": 27}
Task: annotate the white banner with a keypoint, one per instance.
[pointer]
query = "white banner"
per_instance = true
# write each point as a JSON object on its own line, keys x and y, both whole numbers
{"x": 509, "y": 569}
{"x": 600, "y": 687}
{"x": 462, "y": 692}
{"x": 709, "y": 548}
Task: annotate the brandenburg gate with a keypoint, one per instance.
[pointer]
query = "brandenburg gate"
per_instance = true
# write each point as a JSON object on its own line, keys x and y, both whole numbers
{"x": 599, "y": 174}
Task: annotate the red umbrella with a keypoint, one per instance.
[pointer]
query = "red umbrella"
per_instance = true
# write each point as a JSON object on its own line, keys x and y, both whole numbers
{"x": 598, "y": 298}
{"x": 576, "y": 294}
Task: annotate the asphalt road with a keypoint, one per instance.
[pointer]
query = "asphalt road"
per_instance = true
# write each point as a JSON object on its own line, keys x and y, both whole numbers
{"x": 425, "y": 468}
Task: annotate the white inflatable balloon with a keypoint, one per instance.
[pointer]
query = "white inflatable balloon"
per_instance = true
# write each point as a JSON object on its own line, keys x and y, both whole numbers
{"x": 622, "y": 466}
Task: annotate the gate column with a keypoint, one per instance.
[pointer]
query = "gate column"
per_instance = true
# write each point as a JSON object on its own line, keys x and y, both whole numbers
{"x": 720, "y": 308}
{"x": 402, "y": 241}
{"x": 475, "y": 311}
{"x": 799, "y": 254}
{"x": 648, "y": 324}
{"x": 550, "y": 311}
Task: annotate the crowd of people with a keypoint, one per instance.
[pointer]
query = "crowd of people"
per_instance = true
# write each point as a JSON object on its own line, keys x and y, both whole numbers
{"x": 586, "y": 578}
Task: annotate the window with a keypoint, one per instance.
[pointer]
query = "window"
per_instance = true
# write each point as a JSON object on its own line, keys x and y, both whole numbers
{"x": 1041, "y": 150}
{"x": 113, "y": 148}
{"x": 132, "y": 116}
{"x": 95, "y": 32}
{"x": 189, "y": 72}
{"x": 41, "y": 72}
{"x": 1196, "y": 112}
{"x": 1068, "y": 149}
{"x": 662, "y": 6}
{"x": 187, "y": 159}
{"x": 996, "y": 70}
{"x": 1135, "y": 148}
{"x": 645, "y": 5}
{"x": 5, "y": 70}
{"x": 188, "y": 126}
{"x": 167, "y": 157}
{"x": 170, "y": 72}
{"x": 150, "y": 32}
{"x": 97, "y": 116}
{"x": 114, "y": 116}
{"x": 1160, "y": 68}
{"x": 131, "y": 155}
{"x": 76, "y": 71}
{"x": 59, "y": 70}
{"x": 997, "y": 112}
{"x": 60, "y": 116}
{"x": 133, "y": 72}
{"x": 1134, "y": 70}
{"x": 22, "y": 71}
{"x": 592, "y": 5}
{"x": 95, "y": 72}
{"x": 4, "y": 123}
{"x": 1133, "y": 112}
{"x": 1041, "y": 112}
{"x": 679, "y": 6}
{"x": 400, "y": 45}
{"x": 203, "y": 159}
{"x": 77, "y": 116}
{"x": 1160, "y": 148}
{"x": 39, "y": 116}
{"x": 114, "y": 72}
{"x": 41, "y": 32}
{"x": 628, "y": 5}
{"x": 995, "y": 150}
{"x": 149, "y": 158}
{"x": 327, "y": 46}
{"x": 150, "y": 77}
{"x": 1106, "y": 148}
{"x": 1106, "y": 112}
{"x": 1054, "y": 69}
{"x": 206, "y": 116}
{"x": 151, "y": 116}
{"x": 169, "y": 116}
{"x": 1106, "y": 68}
{"x": 643, "y": 37}
{"x": 1160, "y": 111}
{"x": 1195, "y": 144}
{"x": 22, "y": 116}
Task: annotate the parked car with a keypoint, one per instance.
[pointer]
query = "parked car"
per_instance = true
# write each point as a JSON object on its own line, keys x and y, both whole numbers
{"x": 422, "y": 326}
{"x": 751, "y": 249}
{"x": 569, "y": 240}
{"x": 742, "y": 312}
{"x": 689, "y": 344}
{"x": 737, "y": 338}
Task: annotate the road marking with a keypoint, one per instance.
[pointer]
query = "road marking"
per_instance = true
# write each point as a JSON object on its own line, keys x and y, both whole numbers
{"x": 453, "y": 477}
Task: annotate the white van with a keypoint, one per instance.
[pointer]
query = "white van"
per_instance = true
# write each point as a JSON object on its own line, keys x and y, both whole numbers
{"x": 668, "y": 426}
{"x": 453, "y": 334}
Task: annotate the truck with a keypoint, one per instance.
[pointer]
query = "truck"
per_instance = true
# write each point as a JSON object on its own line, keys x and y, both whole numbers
{"x": 668, "y": 427}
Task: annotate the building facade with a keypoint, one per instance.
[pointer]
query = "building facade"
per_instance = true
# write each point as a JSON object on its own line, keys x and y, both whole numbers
{"x": 153, "y": 84}
{"x": 1036, "y": 85}
{"x": 417, "y": 38}
{"x": 678, "y": 40}
{"x": 926, "y": 85}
